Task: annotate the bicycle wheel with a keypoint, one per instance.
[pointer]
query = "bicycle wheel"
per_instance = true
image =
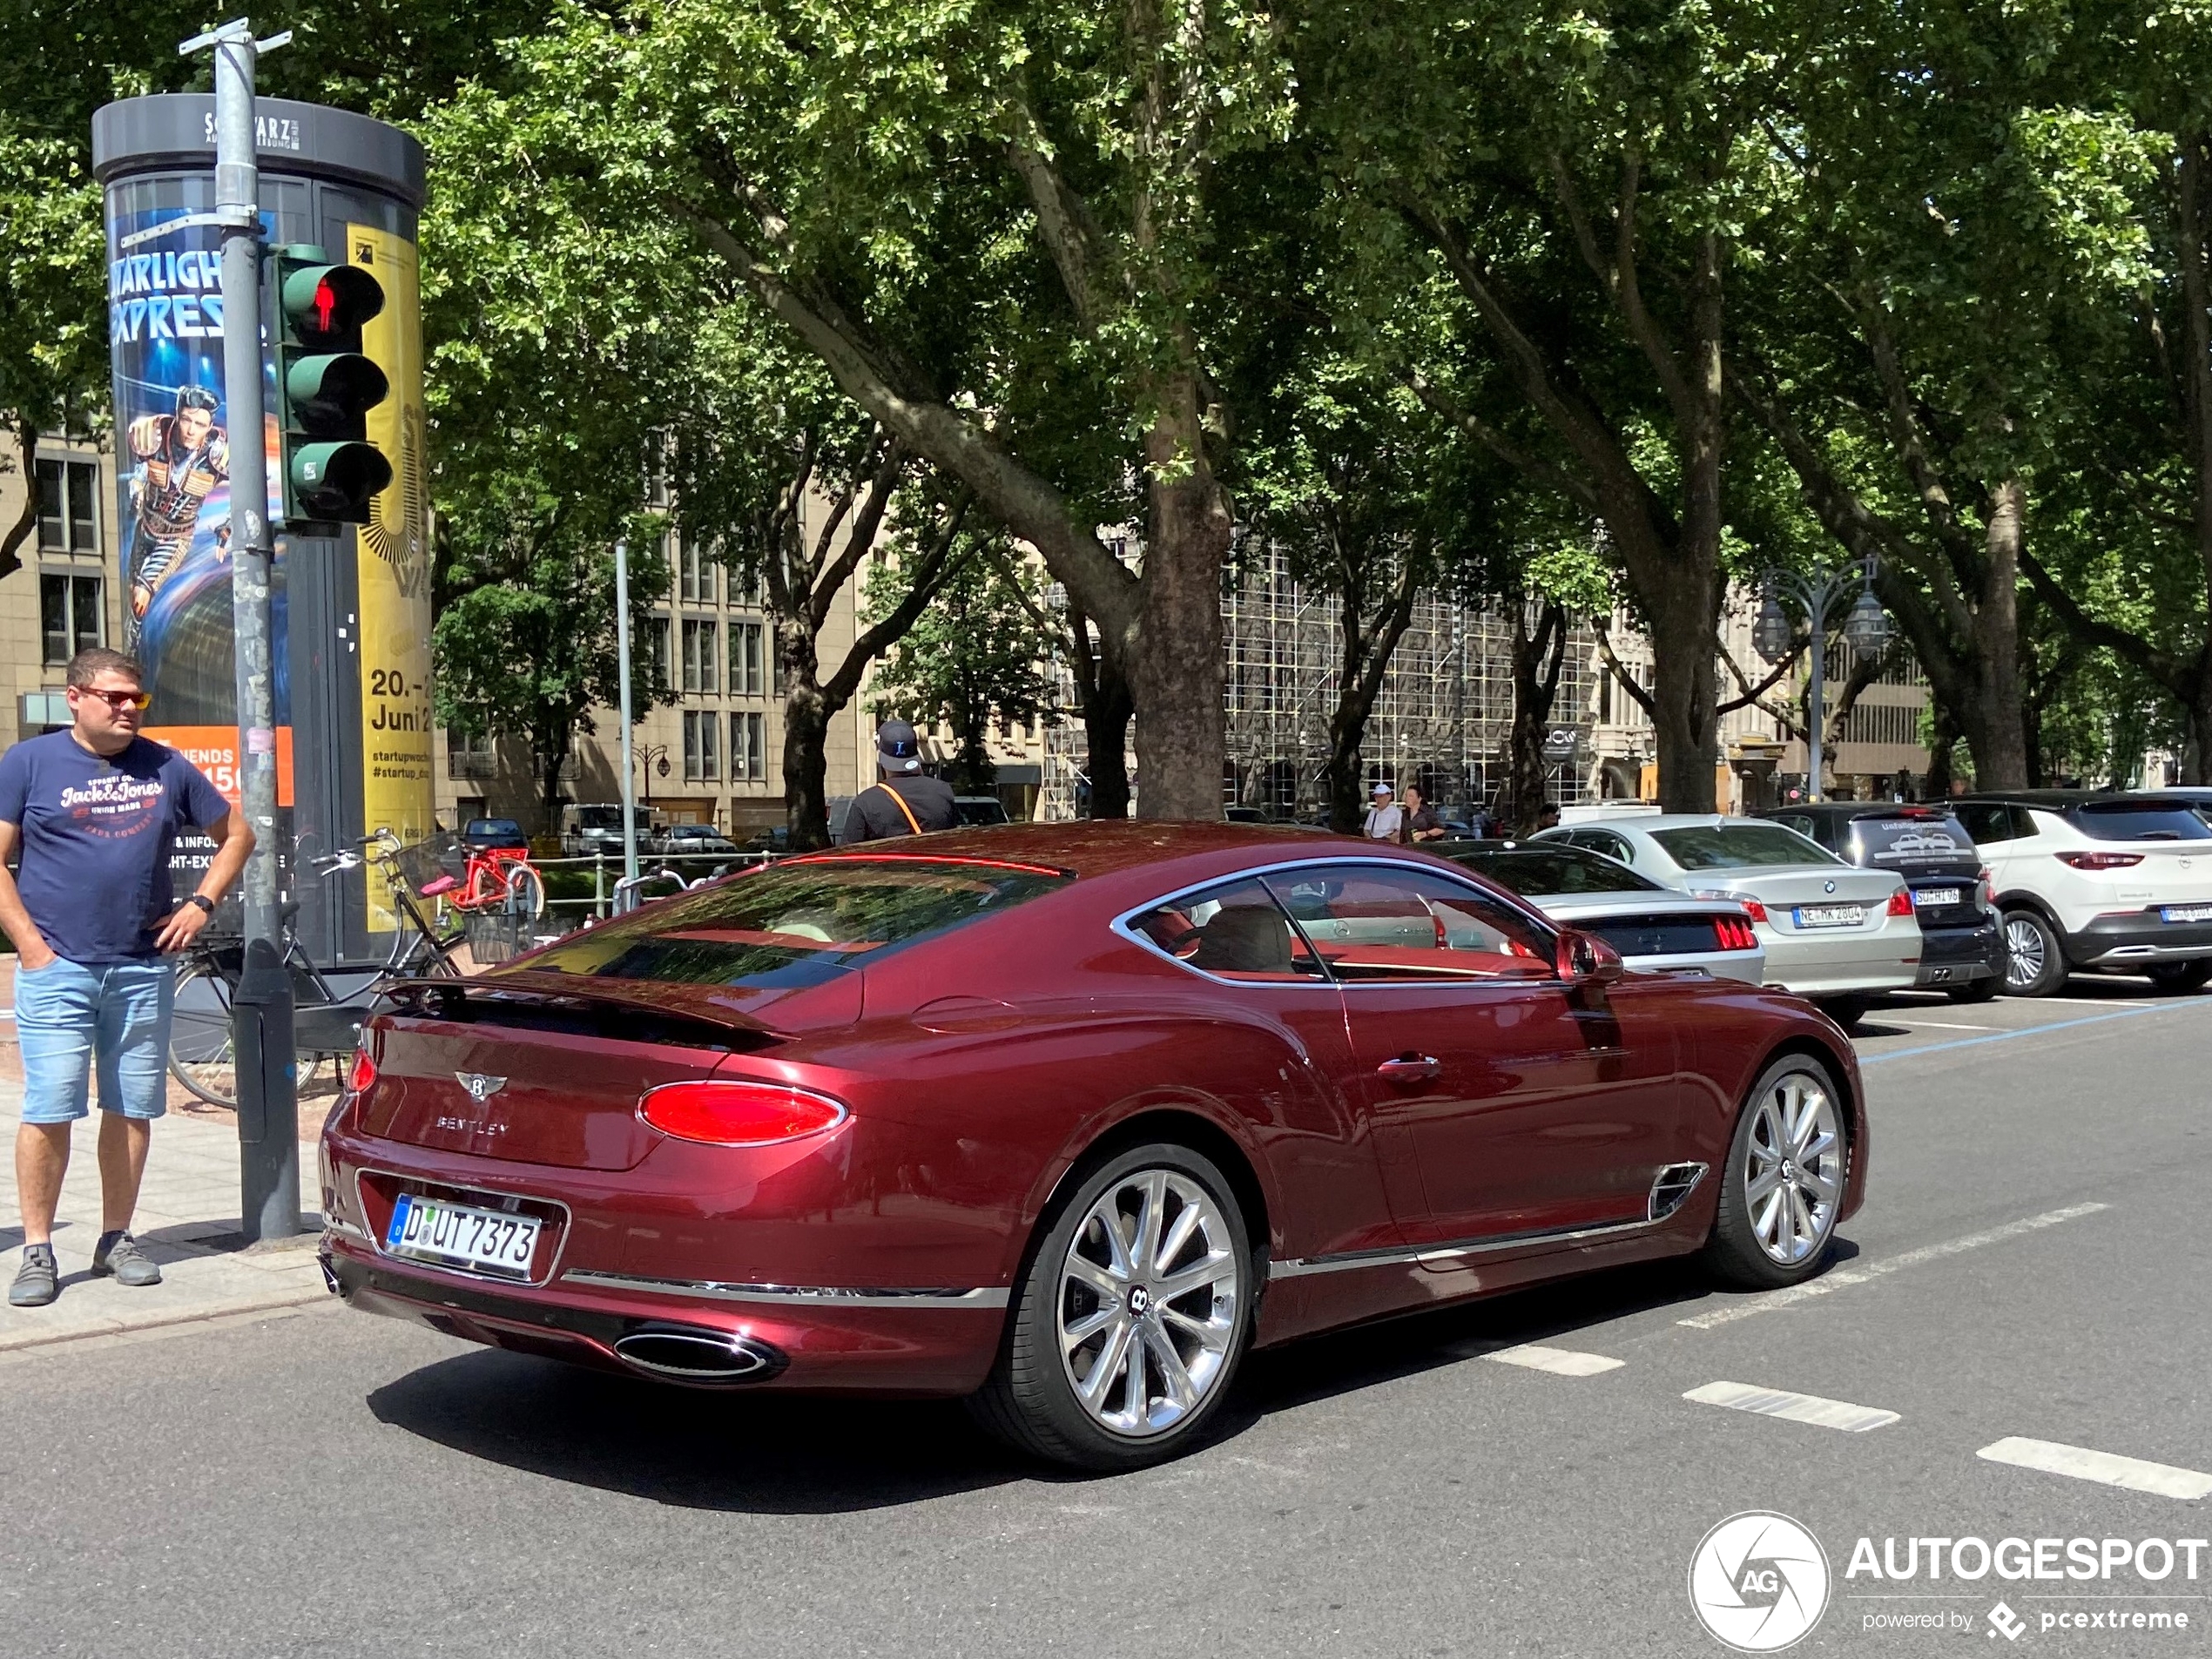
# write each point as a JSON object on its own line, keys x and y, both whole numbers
{"x": 200, "y": 1054}
{"x": 526, "y": 888}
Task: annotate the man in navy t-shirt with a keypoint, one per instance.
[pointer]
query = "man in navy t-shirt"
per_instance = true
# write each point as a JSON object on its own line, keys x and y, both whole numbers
{"x": 92, "y": 813}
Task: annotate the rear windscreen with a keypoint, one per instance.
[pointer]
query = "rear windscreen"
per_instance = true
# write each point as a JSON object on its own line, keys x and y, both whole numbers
{"x": 2125, "y": 820}
{"x": 1903, "y": 841}
{"x": 1730, "y": 846}
{"x": 794, "y": 924}
{"x": 1556, "y": 869}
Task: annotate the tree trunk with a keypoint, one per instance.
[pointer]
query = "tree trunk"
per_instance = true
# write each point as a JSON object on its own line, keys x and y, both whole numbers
{"x": 1943, "y": 740}
{"x": 1684, "y": 611}
{"x": 807, "y": 716}
{"x": 1101, "y": 695}
{"x": 1537, "y": 655}
{"x": 552, "y": 744}
{"x": 1174, "y": 670}
{"x": 1999, "y": 747}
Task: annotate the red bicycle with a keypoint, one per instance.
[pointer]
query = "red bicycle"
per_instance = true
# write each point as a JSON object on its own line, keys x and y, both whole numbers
{"x": 495, "y": 878}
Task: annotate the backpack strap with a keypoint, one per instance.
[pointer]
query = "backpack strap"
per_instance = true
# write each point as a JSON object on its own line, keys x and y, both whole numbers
{"x": 905, "y": 811}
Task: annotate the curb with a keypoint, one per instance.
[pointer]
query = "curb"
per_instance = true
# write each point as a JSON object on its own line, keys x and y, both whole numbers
{"x": 31, "y": 1342}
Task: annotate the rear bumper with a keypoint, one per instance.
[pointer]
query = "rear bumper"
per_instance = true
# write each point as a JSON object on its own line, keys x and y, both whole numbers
{"x": 1887, "y": 959}
{"x": 2137, "y": 936}
{"x": 868, "y": 1348}
{"x": 1962, "y": 956}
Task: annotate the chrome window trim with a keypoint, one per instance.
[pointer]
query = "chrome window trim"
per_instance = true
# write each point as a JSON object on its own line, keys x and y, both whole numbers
{"x": 792, "y": 1295}
{"x": 1123, "y": 924}
{"x": 413, "y": 1264}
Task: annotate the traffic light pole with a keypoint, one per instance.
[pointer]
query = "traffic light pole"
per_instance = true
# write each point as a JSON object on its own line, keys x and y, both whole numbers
{"x": 268, "y": 1108}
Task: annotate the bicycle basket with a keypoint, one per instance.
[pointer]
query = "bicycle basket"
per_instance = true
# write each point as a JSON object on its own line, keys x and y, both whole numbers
{"x": 423, "y": 861}
{"x": 496, "y": 935}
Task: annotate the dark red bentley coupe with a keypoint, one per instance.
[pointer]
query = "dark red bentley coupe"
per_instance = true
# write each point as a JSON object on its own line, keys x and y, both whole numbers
{"x": 1066, "y": 1118}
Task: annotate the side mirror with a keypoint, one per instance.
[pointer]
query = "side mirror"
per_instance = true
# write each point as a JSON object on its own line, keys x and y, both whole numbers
{"x": 1584, "y": 959}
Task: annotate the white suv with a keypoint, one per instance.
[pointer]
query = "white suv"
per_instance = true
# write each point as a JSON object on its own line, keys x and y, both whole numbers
{"x": 2087, "y": 879}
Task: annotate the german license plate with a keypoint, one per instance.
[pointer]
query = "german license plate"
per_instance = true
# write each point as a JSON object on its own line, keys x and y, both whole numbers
{"x": 1934, "y": 897}
{"x": 1829, "y": 915}
{"x": 459, "y": 1235}
{"x": 2186, "y": 911}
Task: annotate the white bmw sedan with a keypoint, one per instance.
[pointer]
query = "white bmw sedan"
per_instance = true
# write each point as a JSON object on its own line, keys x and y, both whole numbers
{"x": 1832, "y": 932}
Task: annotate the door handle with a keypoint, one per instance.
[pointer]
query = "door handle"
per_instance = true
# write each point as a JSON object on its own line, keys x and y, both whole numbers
{"x": 1409, "y": 1069}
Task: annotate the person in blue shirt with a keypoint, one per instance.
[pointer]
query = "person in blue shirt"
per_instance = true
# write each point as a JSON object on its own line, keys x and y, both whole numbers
{"x": 90, "y": 816}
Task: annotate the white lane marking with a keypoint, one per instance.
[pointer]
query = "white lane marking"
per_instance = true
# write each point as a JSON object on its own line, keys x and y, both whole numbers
{"x": 1942, "y": 1025}
{"x": 2162, "y": 1480}
{"x": 1798, "y": 1409}
{"x": 1562, "y": 1362}
{"x": 1842, "y": 1278}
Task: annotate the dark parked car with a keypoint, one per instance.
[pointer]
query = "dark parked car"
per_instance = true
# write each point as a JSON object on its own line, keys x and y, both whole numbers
{"x": 1962, "y": 940}
{"x": 976, "y": 811}
{"x": 489, "y": 834}
{"x": 1035, "y": 1113}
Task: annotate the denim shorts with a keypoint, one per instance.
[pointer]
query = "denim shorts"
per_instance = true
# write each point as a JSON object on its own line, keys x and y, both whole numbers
{"x": 113, "y": 1019}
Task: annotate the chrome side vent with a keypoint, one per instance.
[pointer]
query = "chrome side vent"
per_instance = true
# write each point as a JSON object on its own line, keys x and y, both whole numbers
{"x": 1674, "y": 1184}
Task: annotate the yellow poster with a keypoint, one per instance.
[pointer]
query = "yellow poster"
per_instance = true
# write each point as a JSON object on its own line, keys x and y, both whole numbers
{"x": 393, "y": 561}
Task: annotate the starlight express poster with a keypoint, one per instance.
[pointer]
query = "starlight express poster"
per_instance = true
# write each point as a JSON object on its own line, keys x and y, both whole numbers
{"x": 173, "y": 447}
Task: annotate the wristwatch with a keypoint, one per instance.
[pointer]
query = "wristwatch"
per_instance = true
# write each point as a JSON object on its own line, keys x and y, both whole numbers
{"x": 202, "y": 901}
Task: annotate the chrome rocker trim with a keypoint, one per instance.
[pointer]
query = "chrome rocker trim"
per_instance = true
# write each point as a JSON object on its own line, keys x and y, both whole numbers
{"x": 1670, "y": 1189}
{"x": 792, "y": 1295}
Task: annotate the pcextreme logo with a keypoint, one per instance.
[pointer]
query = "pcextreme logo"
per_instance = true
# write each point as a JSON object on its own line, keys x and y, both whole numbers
{"x": 1759, "y": 1581}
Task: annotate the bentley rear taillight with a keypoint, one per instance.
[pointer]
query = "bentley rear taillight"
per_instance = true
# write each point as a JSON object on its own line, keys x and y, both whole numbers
{"x": 362, "y": 1073}
{"x": 731, "y": 1112}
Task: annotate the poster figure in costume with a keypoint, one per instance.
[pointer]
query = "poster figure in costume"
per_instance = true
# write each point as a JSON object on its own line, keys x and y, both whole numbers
{"x": 181, "y": 456}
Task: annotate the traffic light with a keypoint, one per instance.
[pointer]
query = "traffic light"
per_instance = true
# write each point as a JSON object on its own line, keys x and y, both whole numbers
{"x": 326, "y": 387}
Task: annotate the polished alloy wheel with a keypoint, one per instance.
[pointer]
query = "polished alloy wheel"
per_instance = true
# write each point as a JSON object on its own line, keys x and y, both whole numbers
{"x": 1149, "y": 1302}
{"x": 2027, "y": 957}
{"x": 1793, "y": 1174}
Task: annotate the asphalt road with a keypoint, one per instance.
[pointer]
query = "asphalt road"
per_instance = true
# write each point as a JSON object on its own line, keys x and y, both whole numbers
{"x": 2032, "y": 1263}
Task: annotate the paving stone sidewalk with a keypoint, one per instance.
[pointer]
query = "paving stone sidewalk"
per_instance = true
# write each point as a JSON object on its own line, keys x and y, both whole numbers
{"x": 187, "y": 1220}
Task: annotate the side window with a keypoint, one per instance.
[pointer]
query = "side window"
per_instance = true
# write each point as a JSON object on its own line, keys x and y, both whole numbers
{"x": 2024, "y": 824}
{"x": 1612, "y": 846}
{"x": 1987, "y": 823}
{"x": 1803, "y": 824}
{"x": 1379, "y": 925}
{"x": 1233, "y": 932}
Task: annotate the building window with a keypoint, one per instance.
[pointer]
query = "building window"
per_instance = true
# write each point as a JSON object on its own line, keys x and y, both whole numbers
{"x": 747, "y": 678}
{"x": 656, "y": 651}
{"x": 65, "y": 522}
{"x": 694, "y": 571}
{"x": 748, "y": 748}
{"x": 69, "y": 609}
{"x": 469, "y": 756}
{"x": 701, "y": 654}
{"x": 701, "y": 764}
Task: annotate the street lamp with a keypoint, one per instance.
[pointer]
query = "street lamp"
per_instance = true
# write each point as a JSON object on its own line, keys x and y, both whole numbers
{"x": 1865, "y": 630}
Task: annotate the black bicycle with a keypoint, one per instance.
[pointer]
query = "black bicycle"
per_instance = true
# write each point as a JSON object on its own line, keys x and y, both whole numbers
{"x": 325, "y": 1025}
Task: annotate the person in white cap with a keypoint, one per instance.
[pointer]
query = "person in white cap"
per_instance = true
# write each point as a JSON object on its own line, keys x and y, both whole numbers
{"x": 1385, "y": 817}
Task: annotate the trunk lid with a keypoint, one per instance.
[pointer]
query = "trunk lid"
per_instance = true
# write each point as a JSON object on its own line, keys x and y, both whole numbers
{"x": 1782, "y": 890}
{"x": 535, "y": 1079}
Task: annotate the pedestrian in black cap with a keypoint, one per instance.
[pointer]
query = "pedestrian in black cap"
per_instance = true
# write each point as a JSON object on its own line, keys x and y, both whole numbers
{"x": 902, "y": 802}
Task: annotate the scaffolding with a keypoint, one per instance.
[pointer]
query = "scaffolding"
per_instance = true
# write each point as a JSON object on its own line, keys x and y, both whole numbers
{"x": 1442, "y": 718}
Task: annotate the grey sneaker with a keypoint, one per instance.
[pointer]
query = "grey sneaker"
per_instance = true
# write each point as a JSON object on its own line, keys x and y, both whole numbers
{"x": 37, "y": 1282}
{"x": 118, "y": 1253}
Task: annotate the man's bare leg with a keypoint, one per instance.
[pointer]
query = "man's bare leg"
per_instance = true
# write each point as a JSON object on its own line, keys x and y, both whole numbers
{"x": 41, "y": 1158}
{"x": 123, "y": 1165}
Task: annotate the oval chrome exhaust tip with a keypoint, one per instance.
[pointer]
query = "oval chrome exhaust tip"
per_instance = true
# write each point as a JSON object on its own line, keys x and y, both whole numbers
{"x": 693, "y": 1355}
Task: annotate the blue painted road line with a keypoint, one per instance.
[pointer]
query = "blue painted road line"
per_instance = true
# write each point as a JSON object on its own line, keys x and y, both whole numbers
{"x": 2025, "y": 1031}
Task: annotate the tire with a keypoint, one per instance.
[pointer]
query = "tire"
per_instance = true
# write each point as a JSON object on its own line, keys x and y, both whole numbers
{"x": 2035, "y": 963}
{"x": 2174, "y": 977}
{"x": 1980, "y": 990}
{"x": 1782, "y": 1185}
{"x": 201, "y": 1048}
{"x": 1847, "y": 1011}
{"x": 526, "y": 887}
{"x": 1078, "y": 1281}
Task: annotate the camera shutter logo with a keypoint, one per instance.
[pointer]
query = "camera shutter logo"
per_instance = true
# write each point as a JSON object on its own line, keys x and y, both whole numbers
{"x": 1759, "y": 1581}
